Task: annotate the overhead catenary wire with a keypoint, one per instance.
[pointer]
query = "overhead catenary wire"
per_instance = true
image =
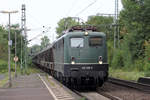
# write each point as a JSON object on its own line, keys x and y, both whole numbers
{"x": 86, "y": 8}
{"x": 72, "y": 7}
{"x": 40, "y": 34}
{"x": 35, "y": 19}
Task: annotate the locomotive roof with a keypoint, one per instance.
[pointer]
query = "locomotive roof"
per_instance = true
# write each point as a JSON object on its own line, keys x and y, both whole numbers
{"x": 83, "y": 33}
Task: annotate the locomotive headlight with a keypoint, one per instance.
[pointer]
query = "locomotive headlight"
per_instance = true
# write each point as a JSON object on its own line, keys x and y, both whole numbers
{"x": 72, "y": 60}
{"x": 100, "y": 60}
{"x": 86, "y": 33}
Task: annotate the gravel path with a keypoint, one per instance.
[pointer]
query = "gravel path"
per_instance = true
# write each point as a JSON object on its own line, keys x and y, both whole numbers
{"x": 124, "y": 92}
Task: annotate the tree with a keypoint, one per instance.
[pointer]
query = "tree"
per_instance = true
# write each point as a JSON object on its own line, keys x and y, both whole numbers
{"x": 3, "y": 43}
{"x": 35, "y": 48}
{"x": 45, "y": 42}
{"x": 103, "y": 24}
{"x": 65, "y": 23}
{"x": 135, "y": 18}
{"x": 15, "y": 29}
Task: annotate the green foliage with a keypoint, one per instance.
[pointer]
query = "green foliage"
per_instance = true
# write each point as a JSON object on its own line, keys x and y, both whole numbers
{"x": 45, "y": 41}
{"x": 135, "y": 18}
{"x": 4, "y": 41}
{"x": 35, "y": 48}
{"x": 134, "y": 52}
{"x": 4, "y": 47}
{"x": 110, "y": 51}
{"x": 3, "y": 66}
{"x": 65, "y": 23}
{"x": 147, "y": 74}
{"x": 125, "y": 74}
{"x": 3, "y": 44}
{"x": 15, "y": 29}
{"x": 147, "y": 51}
{"x": 103, "y": 24}
{"x": 117, "y": 61}
{"x": 32, "y": 69}
{"x": 126, "y": 53}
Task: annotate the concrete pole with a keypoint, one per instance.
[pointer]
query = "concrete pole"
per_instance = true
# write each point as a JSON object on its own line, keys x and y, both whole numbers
{"x": 21, "y": 56}
{"x": 15, "y": 56}
{"x": 25, "y": 49}
{"x": 118, "y": 23}
{"x": 116, "y": 27}
{"x": 9, "y": 44}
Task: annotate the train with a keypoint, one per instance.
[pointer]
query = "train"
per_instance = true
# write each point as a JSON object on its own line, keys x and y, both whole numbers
{"x": 77, "y": 58}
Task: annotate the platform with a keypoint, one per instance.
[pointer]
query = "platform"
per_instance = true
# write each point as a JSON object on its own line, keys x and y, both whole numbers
{"x": 26, "y": 88}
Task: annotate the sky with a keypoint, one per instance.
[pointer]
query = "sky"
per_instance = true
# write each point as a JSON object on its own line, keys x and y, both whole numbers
{"x": 47, "y": 13}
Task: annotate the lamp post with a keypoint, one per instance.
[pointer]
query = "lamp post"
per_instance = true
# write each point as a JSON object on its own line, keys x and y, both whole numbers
{"x": 9, "y": 44}
{"x": 15, "y": 55}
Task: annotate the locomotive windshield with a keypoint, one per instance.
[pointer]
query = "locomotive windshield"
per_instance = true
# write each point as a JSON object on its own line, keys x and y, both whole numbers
{"x": 95, "y": 41}
{"x": 77, "y": 42}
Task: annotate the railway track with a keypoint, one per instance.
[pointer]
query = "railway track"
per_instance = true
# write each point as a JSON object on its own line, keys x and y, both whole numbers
{"x": 96, "y": 95}
{"x": 108, "y": 95}
{"x": 86, "y": 95}
{"x": 125, "y": 90}
{"x": 114, "y": 89}
{"x": 135, "y": 85}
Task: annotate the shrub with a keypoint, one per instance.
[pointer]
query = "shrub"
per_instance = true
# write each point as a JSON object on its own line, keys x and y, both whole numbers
{"x": 3, "y": 66}
{"x": 147, "y": 74}
{"x": 139, "y": 65}
{"x": 117, "y": 60}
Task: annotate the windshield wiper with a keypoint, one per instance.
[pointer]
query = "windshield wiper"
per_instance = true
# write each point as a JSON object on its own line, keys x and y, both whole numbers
{"x": 79, "y": 45}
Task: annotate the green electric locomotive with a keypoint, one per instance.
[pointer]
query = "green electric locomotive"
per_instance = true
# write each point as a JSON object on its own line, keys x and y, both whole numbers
{"x": 79, "y": 57}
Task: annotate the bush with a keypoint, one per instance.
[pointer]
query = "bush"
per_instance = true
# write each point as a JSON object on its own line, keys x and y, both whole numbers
{"x": 117, "y": 61}
{"x": 147, "y": 74}
{"x": 3, "y": 66}
{"x": 110, "y": 51}
{"x": 139, "y": 65}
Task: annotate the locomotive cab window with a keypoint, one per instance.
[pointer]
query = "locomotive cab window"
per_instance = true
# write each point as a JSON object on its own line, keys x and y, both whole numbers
{"x": 95, "y": 41}
{"x": 77, "y": 42}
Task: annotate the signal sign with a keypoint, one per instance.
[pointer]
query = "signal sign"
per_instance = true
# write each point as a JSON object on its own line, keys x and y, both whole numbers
{"x": 15, "y": 58}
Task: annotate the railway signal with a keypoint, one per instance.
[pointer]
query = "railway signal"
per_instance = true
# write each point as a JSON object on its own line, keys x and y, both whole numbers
{"x": 15, "y": 59}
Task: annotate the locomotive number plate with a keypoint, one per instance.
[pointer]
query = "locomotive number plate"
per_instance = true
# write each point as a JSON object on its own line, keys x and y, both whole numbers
{"x": 87, "y": 68}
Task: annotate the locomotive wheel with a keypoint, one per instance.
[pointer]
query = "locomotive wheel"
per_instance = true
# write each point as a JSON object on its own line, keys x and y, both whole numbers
{"x": 100, "y": 82}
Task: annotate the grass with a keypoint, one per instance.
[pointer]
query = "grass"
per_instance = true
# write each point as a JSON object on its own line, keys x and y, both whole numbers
{"x": 4, "y": 71}
{"x": 83, "y": 98}
{"x": 3, "y": 66}
{"x": 5, "y": 80}
{"x": 131, "y": 75}
{"x": 53, "y": 84}
{"x": 31, "y": 70}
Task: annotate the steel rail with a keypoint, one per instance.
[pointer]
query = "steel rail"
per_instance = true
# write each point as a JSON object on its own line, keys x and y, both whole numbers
{"x": 78, "y": 93}
{"x": 135, "y": 85}
{"x": 111, "y": 97}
